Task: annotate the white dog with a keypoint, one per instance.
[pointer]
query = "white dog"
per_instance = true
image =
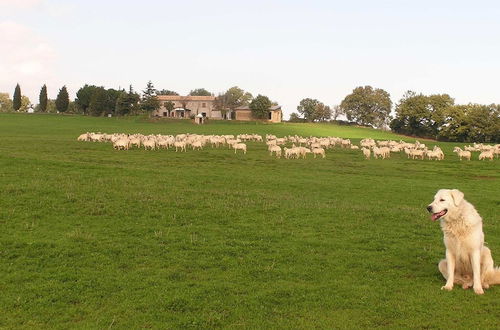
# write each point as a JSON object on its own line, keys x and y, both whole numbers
{"x": 468, "y": 262}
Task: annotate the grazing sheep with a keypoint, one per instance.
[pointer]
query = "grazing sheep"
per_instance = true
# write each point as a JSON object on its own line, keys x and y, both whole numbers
{"x": 366, "y": 152}
{"x": 462, "y": 154}
{"x": 197, "y": 145}
{"x": 149, "y": 144}
{"x": 417, "y": 153}
{"x": 84, "y": 137}
{"x": 181, "y": 145}
{"x": 276, "y": 150}
{"x": 291, "y": 153}
{"x": 319, "y": 151}
{"x": 121, "y": 144}
{"x": 240, "y": 146}
{"x": 486, "y": 155}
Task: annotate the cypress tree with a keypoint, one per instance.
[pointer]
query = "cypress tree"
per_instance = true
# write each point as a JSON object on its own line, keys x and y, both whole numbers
{"x": 43, "y": 99}
{"x": 17, "y": 98}
{"x": 62, "y": 100}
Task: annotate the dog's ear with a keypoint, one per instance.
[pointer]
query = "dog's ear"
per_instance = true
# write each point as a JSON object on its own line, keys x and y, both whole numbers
{"x": 458, "y": 196}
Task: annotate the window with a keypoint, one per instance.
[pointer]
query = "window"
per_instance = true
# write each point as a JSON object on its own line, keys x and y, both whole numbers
{"x": 270, "y": 115}
{"x": 203, "y": 105}
{"x": 164, "y": 114}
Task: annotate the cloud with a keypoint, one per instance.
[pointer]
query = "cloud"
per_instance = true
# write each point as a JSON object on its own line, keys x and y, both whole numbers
{"x": 26, "y": 58}
{"x": 19, "y": 4}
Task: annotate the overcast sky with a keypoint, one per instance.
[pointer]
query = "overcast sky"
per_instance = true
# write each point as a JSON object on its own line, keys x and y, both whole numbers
{"x": 287, "y": 50}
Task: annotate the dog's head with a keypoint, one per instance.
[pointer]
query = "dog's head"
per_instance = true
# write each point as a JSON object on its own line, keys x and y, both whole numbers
{"x": 444, "y": 200}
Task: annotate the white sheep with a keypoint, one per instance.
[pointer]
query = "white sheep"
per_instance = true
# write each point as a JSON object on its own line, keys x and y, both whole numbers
{"x": 240, "y": 146}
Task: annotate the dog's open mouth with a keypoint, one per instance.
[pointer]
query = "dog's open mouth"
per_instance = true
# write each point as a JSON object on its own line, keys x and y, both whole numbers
{"x": 438, "y": 215}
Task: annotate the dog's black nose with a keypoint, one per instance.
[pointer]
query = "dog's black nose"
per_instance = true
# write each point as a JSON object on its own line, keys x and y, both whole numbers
{"x": 429, "y": 208}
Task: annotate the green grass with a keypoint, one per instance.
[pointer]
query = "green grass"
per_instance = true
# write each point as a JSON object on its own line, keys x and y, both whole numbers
{"x": 91, "y": 237}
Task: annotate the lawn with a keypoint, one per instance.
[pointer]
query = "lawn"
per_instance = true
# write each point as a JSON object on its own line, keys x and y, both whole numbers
{"x": 91, "y": 237}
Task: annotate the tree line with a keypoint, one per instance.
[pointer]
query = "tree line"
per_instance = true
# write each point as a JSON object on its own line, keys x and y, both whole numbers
{"x": 431, "y": 116}
{"x": 99, "y": 101}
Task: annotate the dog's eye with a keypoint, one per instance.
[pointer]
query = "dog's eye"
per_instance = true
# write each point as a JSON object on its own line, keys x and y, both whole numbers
{"x": 441, "y": 200}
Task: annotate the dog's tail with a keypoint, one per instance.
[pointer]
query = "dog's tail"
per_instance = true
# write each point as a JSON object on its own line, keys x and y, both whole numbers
{"x": 494, "y": 276}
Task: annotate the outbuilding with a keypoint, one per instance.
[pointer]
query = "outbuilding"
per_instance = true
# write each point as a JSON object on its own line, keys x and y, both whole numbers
{"x": 245, "y": 113}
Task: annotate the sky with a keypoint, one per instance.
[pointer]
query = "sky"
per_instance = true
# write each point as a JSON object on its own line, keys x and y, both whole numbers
{"x": 286, "y": 50}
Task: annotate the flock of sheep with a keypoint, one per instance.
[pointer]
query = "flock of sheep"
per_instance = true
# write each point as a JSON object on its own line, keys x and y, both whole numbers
{"x": 289, "y": 147}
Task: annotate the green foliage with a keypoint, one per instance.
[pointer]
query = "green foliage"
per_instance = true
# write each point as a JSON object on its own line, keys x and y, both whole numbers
{"x": 200, "y": 92}
{"x": 421, "y": 115}
{"x": 367, "y": 106}
{"x": 51, "y": 106}
{"x": 127, "y": 103}
{"x": 149, "y": 101}
{"x": 43, "y": 99}
{"x": 16, "y": 100}
{"x": 25, "y": 103}
{"x": 295, "y": 118}
{"x": 169, "y": 105}
{"x": 260, "y": 107}
{"x": 62, "y": 100}
{"x": 471, "y": 123}
{"x": 84, "y": 96}
{"x": 307, "y": 108}
{"x": 231, "y": 99}
{"x": 94, "y": 238}
{"x": 322, "y": 112}
{"x": 236, "y": 97}
{"x": 5, "y": 103}
{"x": 98, "y": 102}
{"x": 166, "y": 92}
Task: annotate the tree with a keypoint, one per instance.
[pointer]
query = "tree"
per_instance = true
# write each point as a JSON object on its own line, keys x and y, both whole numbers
{"x": 166, "y": 92}
{"x": 235, "y": 97}
{"x": 98, "y": 102}
{"x": 126, "y": 103}
{"x": 307, "y": 108}
{"x": 337, "y": 111}
{"x": 122, "y": 104}
{"x": 421, "y": 115}
{"x": 16, "y": 100}
{"x": 260, "y": 107}
{"x": 322, "y": 112}
{"x": 112, "y": 99}
{"x": 42, "y": 105}
{"x": 149, "y": 102}
{"x": 5, "y": 103}
{"x": 25, "y": 103}
{"x": 169, "y": 105}
{"x": 220, "y": 104}
{"x": 84, "y": 96}
{"x": 62, "y": 100}
{"x": 200, "y": 92}
{"x": 471, "y": 123}
{"x": 367, "y": 106}
{"x": 295, "y": 118}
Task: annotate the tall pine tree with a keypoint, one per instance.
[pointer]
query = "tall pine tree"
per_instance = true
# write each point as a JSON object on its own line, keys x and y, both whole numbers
{"x": 62, "y": 100}
{"x": 16, "y": 101}
{"x": 43, "y": 99}
{"x": 149, "y": 101}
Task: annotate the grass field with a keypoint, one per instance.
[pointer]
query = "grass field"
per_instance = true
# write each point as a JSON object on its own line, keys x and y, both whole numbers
{"x": 91, "y": 237}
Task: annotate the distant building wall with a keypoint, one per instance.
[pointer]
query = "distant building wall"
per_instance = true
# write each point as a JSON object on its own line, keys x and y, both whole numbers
{"x": 194, "y": 104}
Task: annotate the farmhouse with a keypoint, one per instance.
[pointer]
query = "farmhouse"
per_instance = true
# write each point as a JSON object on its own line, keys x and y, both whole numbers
{"x": 187, "y": 106}
{"x": 244, "y": 113}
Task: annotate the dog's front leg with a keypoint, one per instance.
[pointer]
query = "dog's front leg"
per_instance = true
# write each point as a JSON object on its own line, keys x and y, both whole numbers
{"x": 476, "y": 271}
{"x": 450, "y": 263}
